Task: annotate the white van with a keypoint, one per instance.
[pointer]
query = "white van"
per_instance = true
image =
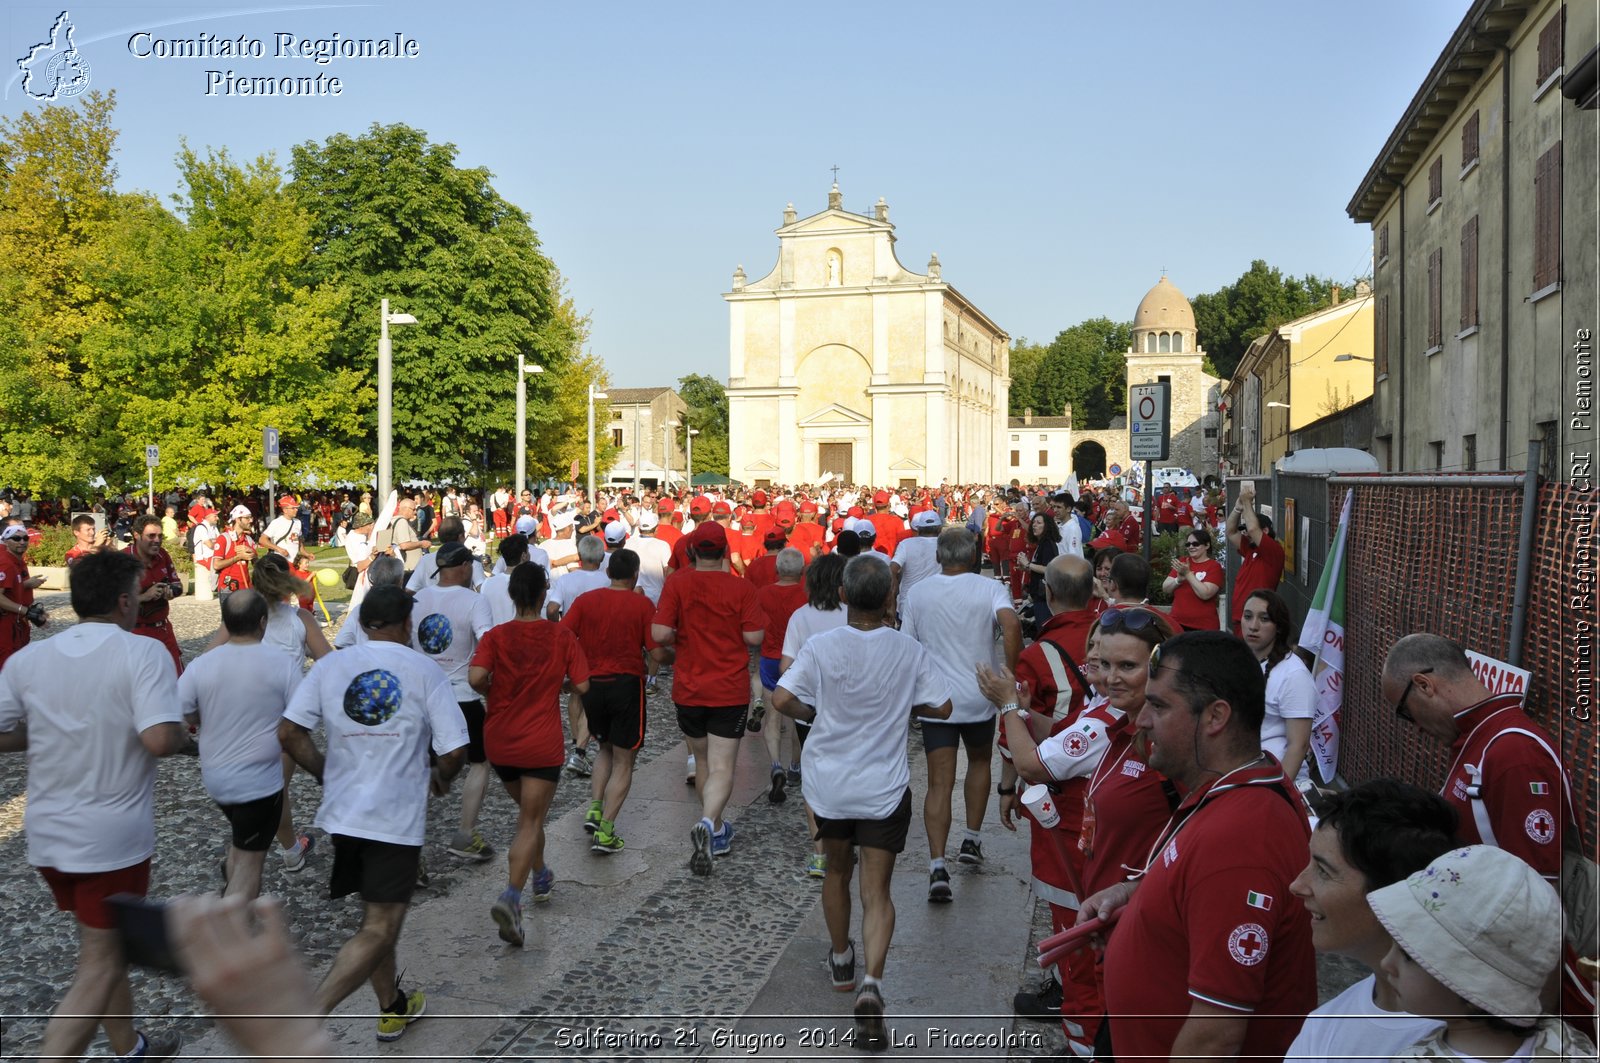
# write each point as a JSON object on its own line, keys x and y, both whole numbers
{"x": 1173, "y": 476}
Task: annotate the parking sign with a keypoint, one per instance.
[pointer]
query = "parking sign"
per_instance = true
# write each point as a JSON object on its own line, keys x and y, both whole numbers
{"x": 152, "y": 456}
{"x": 269, "y": 447}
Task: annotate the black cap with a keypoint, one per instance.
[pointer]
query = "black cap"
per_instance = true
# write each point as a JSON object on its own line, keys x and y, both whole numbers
{"x": 384, "y": 606}
{"x": 453, "y": 555}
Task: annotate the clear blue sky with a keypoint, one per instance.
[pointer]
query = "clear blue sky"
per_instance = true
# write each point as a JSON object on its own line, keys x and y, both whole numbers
{"x": 1057, "y": 156}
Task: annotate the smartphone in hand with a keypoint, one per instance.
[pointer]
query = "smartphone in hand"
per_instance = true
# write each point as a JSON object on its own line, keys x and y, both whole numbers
{"x": 142, "y": 927}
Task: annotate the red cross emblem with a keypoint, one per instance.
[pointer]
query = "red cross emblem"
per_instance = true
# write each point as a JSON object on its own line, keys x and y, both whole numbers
{"x": 1248, "y": 944}
{"x": 1076, "y": 745}
{"x": 1541, "y": 826}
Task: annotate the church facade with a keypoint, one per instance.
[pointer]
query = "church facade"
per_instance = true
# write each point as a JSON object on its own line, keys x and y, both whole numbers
{"x": 844, "y": 364}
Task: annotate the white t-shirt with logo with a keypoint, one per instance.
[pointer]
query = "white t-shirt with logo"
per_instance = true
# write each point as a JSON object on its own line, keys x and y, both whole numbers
{"x": 205, "y": 542}
{"x": 565, "y": 590}
{"x": 285, "y": 532}
{"x": 383, "y": 706}
{"x": 446, "y": 624}
{"x": 954, "y": 617}
{"x": 654, "y": 557}
{"x": 854, "y": 760}
{"x": 85, "y": 695}
{"x": 239, "y": 692}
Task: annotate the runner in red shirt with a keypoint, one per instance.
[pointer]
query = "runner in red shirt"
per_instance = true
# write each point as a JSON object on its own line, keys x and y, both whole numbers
{"x": 807, "y": 534}
{"x": 1211, "y": 953}
{"x": 763, "y": 570}
{"x": 1166, "y": 513}
{"x": 890, "y": 528}
{"x": 612, "y": 626}
{"x": 235, "y": 551}
{"x": 1260, "y": 556}
{"x": 1184, "y": 512}
{"x": 1506, "y": 780}
{"x": 16, "y": 592}
{"x": 158, "y": 585}
{"x": 520, "y": 667}
{"x": 713, "y": 620}
{"x": 668, "y": 530}
{"x": 778, "y": 601}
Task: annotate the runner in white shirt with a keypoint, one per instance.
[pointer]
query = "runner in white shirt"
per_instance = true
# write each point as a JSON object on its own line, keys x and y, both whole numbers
{"x": 450, "y": 619}
{"x": 451, "y": 530}
{"x": 587, "y": 577}
{"x": 958, "y": 615}
{"x": 358, "y": 549}
{"x": 654, "y": 556}
{"x": 236, "y": 694}
{"x": 383, "y": 706}
{"x": 857, "y": 779}
{"x": 386, "y": 570}
{"x": 496, "y": 590}
{"x": 282, "y": 535}
{"x": 205, "y": 539}
{"x": 94, "y": 706}
{"x": 916, "y": 558}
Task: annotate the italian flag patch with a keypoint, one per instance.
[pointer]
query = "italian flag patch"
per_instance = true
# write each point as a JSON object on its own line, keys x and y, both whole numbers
{"x": 1538, "y": 788}
{"x": 1259, "y": 900}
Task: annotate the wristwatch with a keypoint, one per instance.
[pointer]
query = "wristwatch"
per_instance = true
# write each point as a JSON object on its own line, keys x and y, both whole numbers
{"x": 1009, "y": 706}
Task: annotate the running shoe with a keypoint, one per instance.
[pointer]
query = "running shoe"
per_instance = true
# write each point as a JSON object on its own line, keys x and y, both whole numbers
{"x": 939, "y": 887}
{"x": 577, "y": 763}
{"x": 971, "y": 851}
{"x": 391, "y": 1024}
{"x": 871, "y": 1033}
{"x": 606, "y": 840}
{"x": 722, "y": 840}
{"x": 649, "y": 682}
{"x": 594, "y": 817}
{"x": 817, "y": 865}
{"x": 794, "y": 774}
{"x": 1041, "y": 1005}
{"x": 294, "y": 858}
{"x": 470, "y": 847}
{"x": 843, "y": 974}
{"x": 150, "y": 1048}
{"x": 776, "y": 795}
{"x": 422, "y": 871}
{"x": 543, "y": 881}
{"x": 700, "y": 858}
{"x": 507, "y": 914}
{"x": 688, "y": 779}
{"x": 753, "y": 724}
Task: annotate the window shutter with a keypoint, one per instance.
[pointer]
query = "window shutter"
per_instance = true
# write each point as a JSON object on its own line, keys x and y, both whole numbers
{"x": 1469, "y": 140}
{"x": 1547, "y": 218}
{"x": 1435, "y": 326}
{"x": 1469, "y": 273}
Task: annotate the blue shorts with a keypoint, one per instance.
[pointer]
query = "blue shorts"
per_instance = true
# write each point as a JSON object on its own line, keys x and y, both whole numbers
{"x": 770, "y": 673}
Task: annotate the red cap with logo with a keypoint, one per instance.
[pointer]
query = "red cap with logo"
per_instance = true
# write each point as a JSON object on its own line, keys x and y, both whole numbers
{"x": 666, "y": 506}
{"x": 722, "y": 509}
{"x": 759, "y": 498}
{"x": 699, "y": 506}
{"x": 880, "y": 498}
{"x": 288, "y": 502}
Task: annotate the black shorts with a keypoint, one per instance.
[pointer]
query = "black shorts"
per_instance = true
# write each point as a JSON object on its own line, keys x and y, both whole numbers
{"x": 888, "y": 834}
{"x": 473, "y": 711}
{"x": 936, "y": 735}
{"x": 614, "y": 707}
{"x": 801, "y": 730}
{"x": 382, "y": 872}
{"x": 254, "y": 823}
{"x": 510, "y": 775}
{"x": 697, "y": 721}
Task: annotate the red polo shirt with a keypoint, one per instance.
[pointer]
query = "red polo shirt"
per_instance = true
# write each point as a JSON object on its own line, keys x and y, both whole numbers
{"x": 710, "y": 613}
{"x": 1260, "y": 569}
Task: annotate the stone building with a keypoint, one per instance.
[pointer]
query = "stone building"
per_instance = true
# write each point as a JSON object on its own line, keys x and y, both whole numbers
{"x": 647, "y": 448}
{"x": 842, "y": 362}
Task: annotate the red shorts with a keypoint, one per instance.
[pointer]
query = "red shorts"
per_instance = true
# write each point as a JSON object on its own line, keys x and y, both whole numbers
{"x": 84, "y": 893}
{"x": 161, "y": 631}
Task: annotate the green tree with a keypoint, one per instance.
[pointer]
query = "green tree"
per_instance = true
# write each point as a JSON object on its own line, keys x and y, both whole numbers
{"x": 394, "y": 217}
{"x": 1084, "y": 367}
{"x": 1025, "y": 361}
{"x": 1263, "y": 298}
{"x": 707, "y": 400}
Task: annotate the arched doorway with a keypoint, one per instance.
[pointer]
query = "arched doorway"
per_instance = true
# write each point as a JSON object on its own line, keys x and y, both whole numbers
{"x": 1089, "y": 461}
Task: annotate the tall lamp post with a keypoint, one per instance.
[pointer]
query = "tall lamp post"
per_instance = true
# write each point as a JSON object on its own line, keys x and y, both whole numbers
{"x": 666, "y": 452}
{"x": 593, "y": 396}
{"x": 688, "y": 454}
{"x": 523, "y": 369}
{"x": 386, "y": 400}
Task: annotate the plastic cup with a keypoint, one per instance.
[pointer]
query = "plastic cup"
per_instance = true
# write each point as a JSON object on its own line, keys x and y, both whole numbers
{"x": 1041, "y": 804}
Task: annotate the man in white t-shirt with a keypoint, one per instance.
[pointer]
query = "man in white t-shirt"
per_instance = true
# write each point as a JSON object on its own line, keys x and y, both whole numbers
{"x": 205, "y": 540}
{"x": 236, "y": 693}
{"x": 450, "y": 619}
{"x": 654, "y": 556}
{"x": 496, "y": 590}
{"x": 856, "y": 778}
{"x": 561, "y": 549}
{"x": 1368, "y": 837}
{"x": 383, "y": 706}
{"x": 916, "y": 558}
{"x": 963, "y": 620}
{"x": 282, "y": 535}
{"x": 94, "y": 707}
{"x": 451, "y": 530}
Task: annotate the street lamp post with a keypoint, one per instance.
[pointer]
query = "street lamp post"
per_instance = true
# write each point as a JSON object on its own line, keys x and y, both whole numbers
{"x": 666, "y": 452}
{"x": 523, "y": 369}
{"x": 386, "y": 400}
{"x": 593, "y": 395}
{"x": 688, "y": 455}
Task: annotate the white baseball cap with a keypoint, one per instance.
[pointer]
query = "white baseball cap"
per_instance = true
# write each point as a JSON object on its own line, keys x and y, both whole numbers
{"x": 526, "y": 525}
{"x": 236, "y": 512}
{"x": 648, "y": 521}
{"x": 616, "y": 533}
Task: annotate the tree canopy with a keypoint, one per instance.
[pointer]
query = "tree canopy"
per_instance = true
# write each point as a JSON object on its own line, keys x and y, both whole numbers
{"x": 1083, "y": 367}
{"x": 707, "y": 400}
{"x": 1259, "y": 301}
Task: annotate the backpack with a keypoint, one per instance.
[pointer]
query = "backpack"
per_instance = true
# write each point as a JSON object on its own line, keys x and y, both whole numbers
{"x": 1580, "y": 876}
{"x": 188, "y": 538}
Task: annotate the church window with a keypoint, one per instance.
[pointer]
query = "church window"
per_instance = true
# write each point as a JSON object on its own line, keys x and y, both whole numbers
{"x": 1149, "y": 343}
{"x": 1044, "y": 458}
{"x": 1177, "y": 342}
{"x": 1016, "y": 458}
{"x": 1166, "y": 343}
{"x": 835, "y": 267}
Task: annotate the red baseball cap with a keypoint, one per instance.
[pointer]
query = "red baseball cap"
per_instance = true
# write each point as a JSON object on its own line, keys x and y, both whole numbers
{"x": 808, "y": 506}
{"x": 611, "y": 515}
{"x": 759, "y": 498}
{"x": 785, "y": 518}
{"x": 709, "y": 533}
{"x": 856, "y": 511}
{"x": 881, "y": 498}
{"x": 775, "y": 536}
{"x": 285, "y": 501}
{"x": 722, "y": 509}
{"x": 699, "y": 506}
{"x": 666, "y": 506}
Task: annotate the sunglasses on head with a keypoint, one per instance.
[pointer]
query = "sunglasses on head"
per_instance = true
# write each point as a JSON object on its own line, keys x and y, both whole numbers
{"x": 1126, "y": 619}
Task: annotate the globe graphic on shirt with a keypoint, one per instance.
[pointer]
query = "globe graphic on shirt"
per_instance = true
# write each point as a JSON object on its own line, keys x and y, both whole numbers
{"x": 434, "y": 634}
{"x": 372, "y": 697}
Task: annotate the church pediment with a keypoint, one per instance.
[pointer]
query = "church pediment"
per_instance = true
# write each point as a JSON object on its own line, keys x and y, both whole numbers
{"x": 761, "y": 466}
{"x": 831, "y": 221}
{"x": 835, "y": 414}
{"x": 907, "y": 465}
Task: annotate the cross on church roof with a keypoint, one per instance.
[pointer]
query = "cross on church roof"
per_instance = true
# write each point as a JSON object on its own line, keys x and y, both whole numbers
{"x": 835, "y": 169}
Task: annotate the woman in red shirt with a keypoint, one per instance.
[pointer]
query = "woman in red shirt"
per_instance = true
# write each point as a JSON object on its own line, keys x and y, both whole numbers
{"x": 520, "y": 667}
{"x": 1194, "y": 583}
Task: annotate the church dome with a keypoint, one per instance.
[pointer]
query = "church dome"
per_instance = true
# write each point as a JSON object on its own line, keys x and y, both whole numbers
{"x": 1164, "y": 308}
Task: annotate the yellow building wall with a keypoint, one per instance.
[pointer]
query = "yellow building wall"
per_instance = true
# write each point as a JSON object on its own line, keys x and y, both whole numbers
{"x": 1320, "y": 386}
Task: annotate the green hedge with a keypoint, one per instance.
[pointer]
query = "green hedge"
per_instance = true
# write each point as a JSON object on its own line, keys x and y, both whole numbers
{"x": 54, "y": 542}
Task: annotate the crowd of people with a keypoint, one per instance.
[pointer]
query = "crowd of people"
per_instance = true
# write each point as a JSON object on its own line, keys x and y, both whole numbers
{"x": 1157, "y": 753}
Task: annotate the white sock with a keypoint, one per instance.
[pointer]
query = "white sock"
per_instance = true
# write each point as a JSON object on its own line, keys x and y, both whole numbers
{"x": 972, "y": 835}
{"x": 936, "y": 865}
{"x": 876, "y": 983}
{"x": 841, "y": 957}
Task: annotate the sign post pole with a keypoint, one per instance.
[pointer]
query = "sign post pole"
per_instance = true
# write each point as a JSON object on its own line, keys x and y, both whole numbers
{"x": 1149, "y": 437}
{"x": 269, "y": 458}
{"x": 152, "y": 458}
